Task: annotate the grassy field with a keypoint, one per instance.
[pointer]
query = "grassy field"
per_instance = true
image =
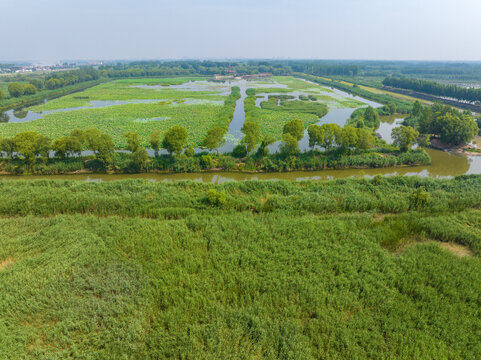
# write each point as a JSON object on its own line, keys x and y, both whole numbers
{"x": 338, "y": 270}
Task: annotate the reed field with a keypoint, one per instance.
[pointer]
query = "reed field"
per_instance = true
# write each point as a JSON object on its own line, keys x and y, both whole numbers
{"x": 248, "y": 270}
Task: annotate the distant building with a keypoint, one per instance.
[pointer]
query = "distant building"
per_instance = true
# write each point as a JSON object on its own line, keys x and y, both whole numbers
{"x": 253, "y": 76}
{"x": 223, "y": 77}
{"x": 238, "y": 77}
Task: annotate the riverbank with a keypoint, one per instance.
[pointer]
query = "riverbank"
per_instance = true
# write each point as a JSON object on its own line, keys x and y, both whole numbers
{"x": 464, "y": 149}
{"x": 123, "y": 163}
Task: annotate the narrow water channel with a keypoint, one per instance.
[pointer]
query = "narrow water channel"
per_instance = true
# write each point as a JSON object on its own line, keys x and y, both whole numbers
{"x": 234, "y": 134}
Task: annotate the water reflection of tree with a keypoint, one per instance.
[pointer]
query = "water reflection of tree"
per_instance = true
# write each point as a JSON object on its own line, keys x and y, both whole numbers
{"x": 390, "y": 118}
{"x": 20, "y": 114}
{"x": 4, "y": 117}
{"x": 444, "y": 163}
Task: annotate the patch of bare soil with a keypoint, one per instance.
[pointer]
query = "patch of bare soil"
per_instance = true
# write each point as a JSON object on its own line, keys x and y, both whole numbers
{"x": 457, "y": 249}
{"x": 464, "y": 149}
{"x": 5, "y": 263}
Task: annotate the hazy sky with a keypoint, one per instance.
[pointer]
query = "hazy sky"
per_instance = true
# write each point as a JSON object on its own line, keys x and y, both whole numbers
{"x": 50, "y": 30}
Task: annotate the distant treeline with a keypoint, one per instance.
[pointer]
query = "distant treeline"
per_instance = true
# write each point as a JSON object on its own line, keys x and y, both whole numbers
{"x": 60, "y": 79}
{"x": 170, "y": 68}
{"x": 434, "y": 88}
{"x": 52, "y": 81}
{"x": 316, "y": 69}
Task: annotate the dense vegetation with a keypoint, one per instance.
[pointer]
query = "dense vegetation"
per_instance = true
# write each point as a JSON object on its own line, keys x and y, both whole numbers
{"x": 434, "y": 88}
{"x": 53, "y": 80}
{"x": 30, "y": 151}
{"x": 39, "y": 96}
{"x": 266, "y": 270}
{"x": 182, "y": 68}
{"x": 364, "y": 118}
{"x": 296, "y": 106}
{"x": 445, "y": 122}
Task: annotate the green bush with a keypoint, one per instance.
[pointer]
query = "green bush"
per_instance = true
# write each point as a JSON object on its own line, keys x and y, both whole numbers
{"x": 216, "y": 198}
{"x": 206, "y": 162}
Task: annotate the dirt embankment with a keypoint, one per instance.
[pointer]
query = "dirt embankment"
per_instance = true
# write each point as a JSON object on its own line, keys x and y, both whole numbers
{"x": 436, "y": 143}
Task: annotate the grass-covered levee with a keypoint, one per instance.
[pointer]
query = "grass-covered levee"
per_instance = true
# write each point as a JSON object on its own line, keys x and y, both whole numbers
{"x": 348, "y": 269}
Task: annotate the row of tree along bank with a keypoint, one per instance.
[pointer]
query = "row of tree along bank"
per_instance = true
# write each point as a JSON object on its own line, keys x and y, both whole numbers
{"x": 47, "y": 94}
{"x": 30, "y": 152}
{"x": 433, "y": 88}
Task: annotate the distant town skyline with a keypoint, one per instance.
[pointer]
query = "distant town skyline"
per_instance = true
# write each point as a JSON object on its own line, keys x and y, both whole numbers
{"x": 47, "y": 32}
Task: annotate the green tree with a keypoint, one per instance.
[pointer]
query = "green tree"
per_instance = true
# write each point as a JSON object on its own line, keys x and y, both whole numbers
{"x": 290, "y": 144}
{"x": 26, "y": 145}
{"x": 331, "y": 134}
{"x": 252, "y": 133}
{"x": 42, "y": 146}
{"x": 425, "y": 120}
{"x": 349, "y": 137}
{"x": 101, "y": 144}
{"x": 189, "y": 152}
{"x": 263, "y": 149}
{"x": 456, "y": 129}
{"x": 60, "y": 147}
{"x": 371, "y": 118}
{"x": 15, "y": 89}
{"x": 295, "y": 128}
{"x": 2, "y": 95}
{"x": 53, "y": 84}
{"x": 155, "y": 141}
{"x": 175, "y": 139}
{"x": 417, "y": 109}
{"x": 316, "y": 135}
{"x": 133, "y": 140}
{"x": 139, "y": 158}
{"x": 29, "y": 89}
{"x": 7, "y": 145}
{"x": 37, "y": 83}
{"x": 214, "y": 138}
{"x": 365, "y": 140}
{"x": 67, "y": 146}
{"x": 239, "y": 151}
{"x": 404, "y": 137}
{"x": 79, "y": 134}
{"x": 76, "y": 142}
{"x": 206, "y": 161}
{"x": 392, "y": 107}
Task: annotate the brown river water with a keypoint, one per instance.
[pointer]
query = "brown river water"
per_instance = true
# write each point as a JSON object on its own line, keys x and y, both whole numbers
{"x": 444, "y": 165}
